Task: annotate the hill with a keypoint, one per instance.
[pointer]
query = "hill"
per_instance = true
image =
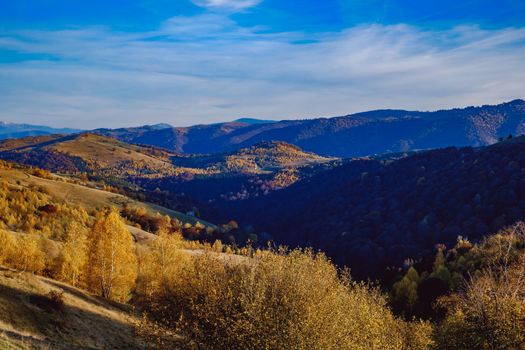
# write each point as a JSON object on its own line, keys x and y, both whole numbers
{"x": 269, "y": 165}
{"x": 369, "y": 214}
{"x": 360, "y": 134}
{"x": 12, "y": 130}
{"x": 245, "y": 173}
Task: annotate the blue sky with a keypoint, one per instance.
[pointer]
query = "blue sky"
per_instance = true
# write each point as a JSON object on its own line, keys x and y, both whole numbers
{"x": 118, "y": 63}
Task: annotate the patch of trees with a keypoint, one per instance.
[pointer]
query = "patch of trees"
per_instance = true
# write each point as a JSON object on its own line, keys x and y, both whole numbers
{"x": 32, "y": 210}
{"x": 46, "y": 159}
{"x": 474, "y": 292}
{"x": 269, "y": 299}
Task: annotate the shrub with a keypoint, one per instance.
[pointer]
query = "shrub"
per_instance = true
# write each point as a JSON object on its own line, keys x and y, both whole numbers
{"x": 279, "y": 300}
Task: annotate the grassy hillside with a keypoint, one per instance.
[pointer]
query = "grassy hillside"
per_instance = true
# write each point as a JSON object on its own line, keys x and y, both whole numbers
{"x": 31, "y": 319}
{"x": 87, "y": 197}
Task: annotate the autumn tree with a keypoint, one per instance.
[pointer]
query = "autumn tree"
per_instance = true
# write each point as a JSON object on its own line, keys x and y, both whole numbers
{"x": 489, "y": 311}
{"x": 440, "y": 269}
{"x": 161, "y": 264}
{"x": 489, "y": 315}
{"x": 112, "y": 263}
{"x": 71, "y": 261}
{"x": 28, "y": 255}
{"x": 405, "y": 290}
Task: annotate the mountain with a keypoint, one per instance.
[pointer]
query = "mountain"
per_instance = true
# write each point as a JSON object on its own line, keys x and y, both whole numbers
{"x": 367, "y": 133}
{"x": 382, "y": 212}
{"x": 12, "y": 130}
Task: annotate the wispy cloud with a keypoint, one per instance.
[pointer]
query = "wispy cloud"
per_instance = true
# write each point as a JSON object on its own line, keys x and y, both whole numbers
{"x": 228, "y": 5}
{"x": 207, "y": 68}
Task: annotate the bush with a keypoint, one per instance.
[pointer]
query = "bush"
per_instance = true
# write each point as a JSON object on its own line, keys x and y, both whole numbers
{"x": 278, "y": 300}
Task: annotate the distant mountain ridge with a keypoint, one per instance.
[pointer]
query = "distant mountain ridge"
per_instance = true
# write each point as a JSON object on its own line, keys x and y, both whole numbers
{"x": 13, "y": 130}
{"x": 360, "y": 134}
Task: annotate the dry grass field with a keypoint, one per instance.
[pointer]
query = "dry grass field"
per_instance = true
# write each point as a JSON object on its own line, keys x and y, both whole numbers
{"x": 31, "y": 319}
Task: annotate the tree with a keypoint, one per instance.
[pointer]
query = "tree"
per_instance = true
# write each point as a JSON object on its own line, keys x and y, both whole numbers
{"x": 161, "y": 264}
{"x": 489, "y": 315}
{"x": 112, "y": 263}
{"x": 440, "y": 270}
{"x": 28, "y": 255}
{"x": 405, "y": 290}
{"x": 490, "y": 312}
{"x": 71, "y": 261}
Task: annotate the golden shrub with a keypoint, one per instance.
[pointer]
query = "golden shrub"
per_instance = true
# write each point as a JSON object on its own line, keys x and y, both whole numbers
{"x": 7, "y": 247}
{"x": 278, "y": 300}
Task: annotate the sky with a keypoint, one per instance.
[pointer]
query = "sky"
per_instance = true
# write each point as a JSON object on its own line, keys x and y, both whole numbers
{"x": 91, "y": 64}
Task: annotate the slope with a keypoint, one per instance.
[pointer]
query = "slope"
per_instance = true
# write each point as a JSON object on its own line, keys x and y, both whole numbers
{"x": 31, "y": 319}
{"x": 88, "y": 197}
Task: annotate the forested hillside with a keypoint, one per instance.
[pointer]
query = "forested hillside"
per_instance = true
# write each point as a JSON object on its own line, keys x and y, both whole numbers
{"x": 386, "y": 211}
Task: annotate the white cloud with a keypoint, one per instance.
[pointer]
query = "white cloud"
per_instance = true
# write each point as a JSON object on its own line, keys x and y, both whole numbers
{"x": 207, "y": 68}
{"x": 228, "y": 5}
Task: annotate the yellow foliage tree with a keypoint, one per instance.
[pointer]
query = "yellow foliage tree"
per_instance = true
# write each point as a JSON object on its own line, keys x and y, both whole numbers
{"x": 28, "y": 254}
{"x": 112, "y": 263}
{"x": 70, "y": 263}
{"x": 161, "y": 264}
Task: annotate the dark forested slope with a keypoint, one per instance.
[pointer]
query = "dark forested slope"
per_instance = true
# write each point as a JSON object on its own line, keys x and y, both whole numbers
{"x": 370, "y": 214}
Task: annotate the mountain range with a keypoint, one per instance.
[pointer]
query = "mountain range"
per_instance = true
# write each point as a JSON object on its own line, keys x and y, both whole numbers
{"x": 354, "y": 135}
{"x": 13, "y": 130}
{"x": 389, "y": 206}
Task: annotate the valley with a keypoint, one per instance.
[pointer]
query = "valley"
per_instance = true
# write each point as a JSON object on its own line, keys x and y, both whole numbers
{"x": 418, "y": 222}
